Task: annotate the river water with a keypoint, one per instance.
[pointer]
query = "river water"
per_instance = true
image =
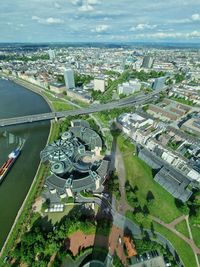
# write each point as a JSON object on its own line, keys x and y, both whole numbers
{"x": 15, "y": 100}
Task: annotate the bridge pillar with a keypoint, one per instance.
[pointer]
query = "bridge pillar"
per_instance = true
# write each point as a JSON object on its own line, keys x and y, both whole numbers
{"x": 56, "y": 119}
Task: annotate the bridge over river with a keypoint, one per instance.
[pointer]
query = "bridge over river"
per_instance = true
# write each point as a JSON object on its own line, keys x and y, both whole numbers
{"x": 129, "y": 101}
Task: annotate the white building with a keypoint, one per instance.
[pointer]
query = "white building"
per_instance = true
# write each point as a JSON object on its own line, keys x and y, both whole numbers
{"x": 69, "y": 79}
{"x": 52, "y": 54}
{"x": 99, "y": 84}
{"x": 194, "y": 175}
{"x": 129, "y": 87}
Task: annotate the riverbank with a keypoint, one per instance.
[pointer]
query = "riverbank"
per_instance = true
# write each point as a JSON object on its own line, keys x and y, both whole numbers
{"x": 17, "y": 223}
{"x": 24, "y": 211}
{"x": 34, "y": 88}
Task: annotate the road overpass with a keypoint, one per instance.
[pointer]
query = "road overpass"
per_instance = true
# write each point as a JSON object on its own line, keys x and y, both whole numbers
{"x": 129, "y": 101}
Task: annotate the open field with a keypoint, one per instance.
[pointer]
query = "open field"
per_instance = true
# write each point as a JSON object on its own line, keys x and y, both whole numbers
{"x": 183, "y": 249}
{"x": 195, "y": 234}
{"x": 139, "y": 174}
{"x": 182, "y": 228}
{"x": 61, "y": 106}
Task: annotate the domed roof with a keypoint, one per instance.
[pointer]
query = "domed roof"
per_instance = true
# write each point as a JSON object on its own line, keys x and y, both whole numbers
{"x": 58, "y": 167}
{"x": 60, "y": 150}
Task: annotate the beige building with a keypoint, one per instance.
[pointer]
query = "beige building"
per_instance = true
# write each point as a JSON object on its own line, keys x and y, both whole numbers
{"x": 192, "y": 125}
{"x": 58, "y": 88}
{"x": 99, "y": 84}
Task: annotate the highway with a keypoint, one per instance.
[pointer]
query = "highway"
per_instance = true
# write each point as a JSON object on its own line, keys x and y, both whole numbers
{"x": 129, "y": 101}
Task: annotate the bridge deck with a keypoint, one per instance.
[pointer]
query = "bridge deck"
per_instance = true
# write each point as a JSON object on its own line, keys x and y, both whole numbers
{"x": 134, "y": 100}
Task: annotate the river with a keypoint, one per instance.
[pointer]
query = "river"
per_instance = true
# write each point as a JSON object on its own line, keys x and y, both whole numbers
{"x": 15, "y": 100}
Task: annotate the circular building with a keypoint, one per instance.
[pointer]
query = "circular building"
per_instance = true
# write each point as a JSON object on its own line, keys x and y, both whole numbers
{"x": 75, "y": 161}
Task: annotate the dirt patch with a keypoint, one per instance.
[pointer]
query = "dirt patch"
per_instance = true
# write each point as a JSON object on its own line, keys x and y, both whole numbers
{"x": 79, "y": 241}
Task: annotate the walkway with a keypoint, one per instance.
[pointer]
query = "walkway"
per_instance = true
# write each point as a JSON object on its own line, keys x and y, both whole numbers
{"x": 189, "y": 241}
{"x": 176, "y": 221}
{"x": 119, "y": 165}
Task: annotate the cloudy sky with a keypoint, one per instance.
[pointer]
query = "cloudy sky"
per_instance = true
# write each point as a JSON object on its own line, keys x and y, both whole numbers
{"x": 99, "y": 20}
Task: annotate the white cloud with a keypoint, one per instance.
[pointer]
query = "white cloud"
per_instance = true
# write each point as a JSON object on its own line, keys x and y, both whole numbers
{"x": 101, "y": 28}
{"x": 48, "y": 21}
{"x": 166, "y": 35}
{"x": 54, "y": 21}
{"x": 57, "y": 5}
{"x": 86, "y": 8}
{"x": 196, "y": 17}
{"x": 194, "y": 34}
{"x": 76, "y": 2}
{"x": 141, "y": 27}
{"x": 179, "y": 21}
{"x": 93, "y": 2}
{"x": 85, "y": 5}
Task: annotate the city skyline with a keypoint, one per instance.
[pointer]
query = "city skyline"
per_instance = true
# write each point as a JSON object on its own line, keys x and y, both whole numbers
{"x": 100, "y": 21}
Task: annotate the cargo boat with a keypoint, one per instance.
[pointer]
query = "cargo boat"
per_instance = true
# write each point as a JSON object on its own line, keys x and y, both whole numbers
{"x": 9, "y": 163}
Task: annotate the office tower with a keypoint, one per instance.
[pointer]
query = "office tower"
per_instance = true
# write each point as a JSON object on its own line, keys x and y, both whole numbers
{"x": 147, "y": 62}
{"x": 123, "y": 64}
{"x": 52, "y": 54}
{"x": 69, "y": 78}
{"x": 159, "y": 83}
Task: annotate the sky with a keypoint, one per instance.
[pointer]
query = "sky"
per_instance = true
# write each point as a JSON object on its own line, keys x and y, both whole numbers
{"x": 100, "y": 21}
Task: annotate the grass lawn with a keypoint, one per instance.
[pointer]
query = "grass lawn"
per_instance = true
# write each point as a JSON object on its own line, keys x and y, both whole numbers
{"x": 55, "y": 132}
{"x": 57, "y": 216}
{"x": 78, "y": 102}
{"x": 49, "y": 95}
{"x": 183, "y": 101}
{"x": 140, "y": 174}
{"x": 61, "y": 106}
{"x": 125, "y": 145}
{"x": 195, "y": 234}
{"x": 182, "y": 228}
{"x": 163, "y": 206}
{"x": 104, "y": 119}
{"x": 183, "y": 249}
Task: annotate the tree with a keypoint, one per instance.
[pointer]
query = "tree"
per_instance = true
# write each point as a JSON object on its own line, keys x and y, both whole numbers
{"x": 181, "y": 206}
{"x": 135, "y": 188}
{"x": 150, "y": 197}
{"x": 145, "y": 210}
{"x": 81, "y": 80}
{"x": 152, "y": 229}
{"x": 141, "y": 228}
{"x": 179, "y": 77}
{"x": 146, "y": 236}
